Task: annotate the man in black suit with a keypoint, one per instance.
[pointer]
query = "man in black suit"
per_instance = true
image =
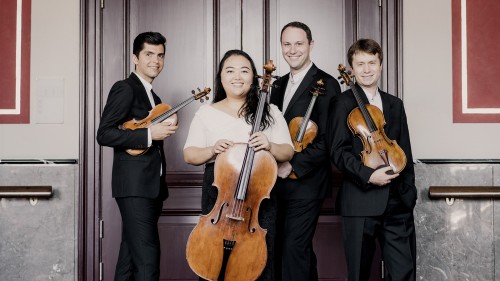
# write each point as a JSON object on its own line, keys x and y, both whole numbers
{"x": 375, "y": 203}
{"x": 300, "y": 199}
{"x": 138, "y": 182}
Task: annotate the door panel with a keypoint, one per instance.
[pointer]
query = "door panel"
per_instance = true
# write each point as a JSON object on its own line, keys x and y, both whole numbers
{"x": 327, "y": 23}
{"x": 198, "y": 33}
{"x": 187, "y": 25}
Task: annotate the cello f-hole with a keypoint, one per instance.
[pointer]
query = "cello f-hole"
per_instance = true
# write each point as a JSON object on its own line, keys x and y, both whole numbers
{"x": 219, "y": 214}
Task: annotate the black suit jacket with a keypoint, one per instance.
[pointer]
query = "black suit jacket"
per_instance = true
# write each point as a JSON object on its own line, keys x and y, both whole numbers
{"x": 312, "y": 165}
{"x": 132, "y": 175}
{"x": 357, "y": 197}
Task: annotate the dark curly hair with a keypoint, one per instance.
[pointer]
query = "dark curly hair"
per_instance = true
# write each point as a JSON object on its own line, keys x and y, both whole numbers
{"x": 249, "y": 108}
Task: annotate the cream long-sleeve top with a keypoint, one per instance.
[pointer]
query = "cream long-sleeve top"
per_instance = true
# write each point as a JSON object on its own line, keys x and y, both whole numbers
{"x": 211, "y": 124}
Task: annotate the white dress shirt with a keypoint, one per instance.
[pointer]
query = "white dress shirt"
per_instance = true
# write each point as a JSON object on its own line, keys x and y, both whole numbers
{"x": 293, "y": 83}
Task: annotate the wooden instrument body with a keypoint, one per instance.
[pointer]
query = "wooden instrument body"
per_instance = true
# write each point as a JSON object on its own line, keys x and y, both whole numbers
{"x": 302, "y": 129}
{"x": 205, "y": 245}
{"x": 309, "y": 135}
{"x": 376, "y": 143}
{"x": 228, "y": 243}
{"x": 367, "y": 122}
{"x": 157, "y": 111}
{"x": 161, "y": 113}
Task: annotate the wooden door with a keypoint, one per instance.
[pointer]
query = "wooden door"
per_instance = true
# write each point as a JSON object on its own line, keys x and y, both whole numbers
{"x": 198, "y": 33}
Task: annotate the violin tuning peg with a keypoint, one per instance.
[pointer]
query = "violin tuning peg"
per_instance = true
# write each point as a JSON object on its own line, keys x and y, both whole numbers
{"x": 342, "y": 82}
{"x": 192, "y": 92}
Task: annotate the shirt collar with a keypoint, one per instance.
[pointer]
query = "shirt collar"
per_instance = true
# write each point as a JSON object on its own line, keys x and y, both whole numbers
{"x": 145, "y": 83}
{"x": 299, "y": 76}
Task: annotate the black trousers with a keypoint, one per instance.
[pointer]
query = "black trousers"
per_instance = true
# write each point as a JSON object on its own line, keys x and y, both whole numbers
{"x": 296, "y": 224}
{"x": 139, "y": 257}
{"x": 395, "y": 231}
{"x": 267, "y": 218}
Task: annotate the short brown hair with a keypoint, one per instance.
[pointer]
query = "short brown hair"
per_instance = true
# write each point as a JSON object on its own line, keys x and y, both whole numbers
{"x": 365, "y": 45}
{"x": 300, "y": 25}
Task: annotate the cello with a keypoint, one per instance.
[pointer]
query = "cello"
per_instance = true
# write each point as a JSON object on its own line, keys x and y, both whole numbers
{"x": 367, "y": 122}
{"x": 302, "y": 129}
{"x": 228, "y": 243}
{"x": 158, "y": 114}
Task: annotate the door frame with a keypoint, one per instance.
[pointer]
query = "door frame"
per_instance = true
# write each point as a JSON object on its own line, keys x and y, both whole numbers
{"x": 91, "y": 102}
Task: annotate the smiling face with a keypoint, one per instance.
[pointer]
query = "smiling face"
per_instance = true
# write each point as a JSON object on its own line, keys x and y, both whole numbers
{"x": 237, "y": 76}
{"x": 296, "y": 48}
{"x": 367, "y": 69}
{"x": 150, "y": 61}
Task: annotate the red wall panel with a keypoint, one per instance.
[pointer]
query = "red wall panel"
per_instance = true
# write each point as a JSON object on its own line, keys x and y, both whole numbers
{"x": 475, "y": 41}
{"x": 15, "y": 70}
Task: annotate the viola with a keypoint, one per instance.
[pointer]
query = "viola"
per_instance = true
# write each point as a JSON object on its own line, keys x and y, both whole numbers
{"x": 228, "y": 243}
{"x": 161, "y": 112}
{"x": 303, "y": 130}
{"x": 367, "y": 122}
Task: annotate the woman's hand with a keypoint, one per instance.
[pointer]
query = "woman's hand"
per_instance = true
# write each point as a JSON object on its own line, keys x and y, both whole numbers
{"x": 259, "y": 141}
{"x": 221, "y": 146}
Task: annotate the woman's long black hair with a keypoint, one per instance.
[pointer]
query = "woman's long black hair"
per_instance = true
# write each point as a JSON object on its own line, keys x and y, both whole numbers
{"x": 249, "y": 108}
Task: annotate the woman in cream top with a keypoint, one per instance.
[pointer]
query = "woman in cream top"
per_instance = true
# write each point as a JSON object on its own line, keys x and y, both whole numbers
{"x": 216, "y": 127}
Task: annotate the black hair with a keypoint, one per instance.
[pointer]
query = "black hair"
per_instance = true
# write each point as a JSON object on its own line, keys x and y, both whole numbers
{"x": 249, "y": 108}
{"x": 153, "y": 38}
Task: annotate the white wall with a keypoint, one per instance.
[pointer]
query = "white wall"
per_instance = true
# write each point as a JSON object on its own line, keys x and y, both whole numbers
{"x": 55, "y": 54}
{"x": 427, "y": 87}
{"x": 427, "y": 93}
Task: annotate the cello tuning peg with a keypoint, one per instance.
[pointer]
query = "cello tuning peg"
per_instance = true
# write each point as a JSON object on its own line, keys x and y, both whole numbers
{"x": 342, "y": 82}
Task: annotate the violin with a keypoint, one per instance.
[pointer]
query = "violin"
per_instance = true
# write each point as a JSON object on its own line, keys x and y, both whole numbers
{"x": 161, "y": 112}
{"x": 303, "y": 130}
{"x": 367, "y": 122}
{"x": 228, "y": 243}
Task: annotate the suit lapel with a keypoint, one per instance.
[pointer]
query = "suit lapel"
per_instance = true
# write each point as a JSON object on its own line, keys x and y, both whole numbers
{"x": 156, "y": 98}
{"x": 140, "y": 91}
{"x": 301, "y": 90}
{"x": 387, "y": 106}
{"x": 278, "y": 94}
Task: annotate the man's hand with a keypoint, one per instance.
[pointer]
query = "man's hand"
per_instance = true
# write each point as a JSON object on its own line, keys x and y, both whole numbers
{"x": 162, "y": 130}
{"x": 380, "y": 176}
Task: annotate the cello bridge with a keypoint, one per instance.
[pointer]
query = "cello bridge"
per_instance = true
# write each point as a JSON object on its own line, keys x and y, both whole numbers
{"x": 235, "y": 218}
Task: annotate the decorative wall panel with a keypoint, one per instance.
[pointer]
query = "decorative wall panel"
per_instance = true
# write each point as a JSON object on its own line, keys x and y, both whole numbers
{"x": 475, "y": 37}
{"x": 15, "y": 32}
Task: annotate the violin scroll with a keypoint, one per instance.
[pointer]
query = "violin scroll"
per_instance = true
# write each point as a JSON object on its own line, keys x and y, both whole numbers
{"x": 200, "y": 94}
{"x": 345, "y": 75}
{"x": 319, "y": 89}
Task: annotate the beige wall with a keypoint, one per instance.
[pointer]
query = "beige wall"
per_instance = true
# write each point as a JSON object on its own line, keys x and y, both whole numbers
{"x": 55, "y": 54}
{"x": 427, "y": 87}
{"x": 427, "y": 83}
